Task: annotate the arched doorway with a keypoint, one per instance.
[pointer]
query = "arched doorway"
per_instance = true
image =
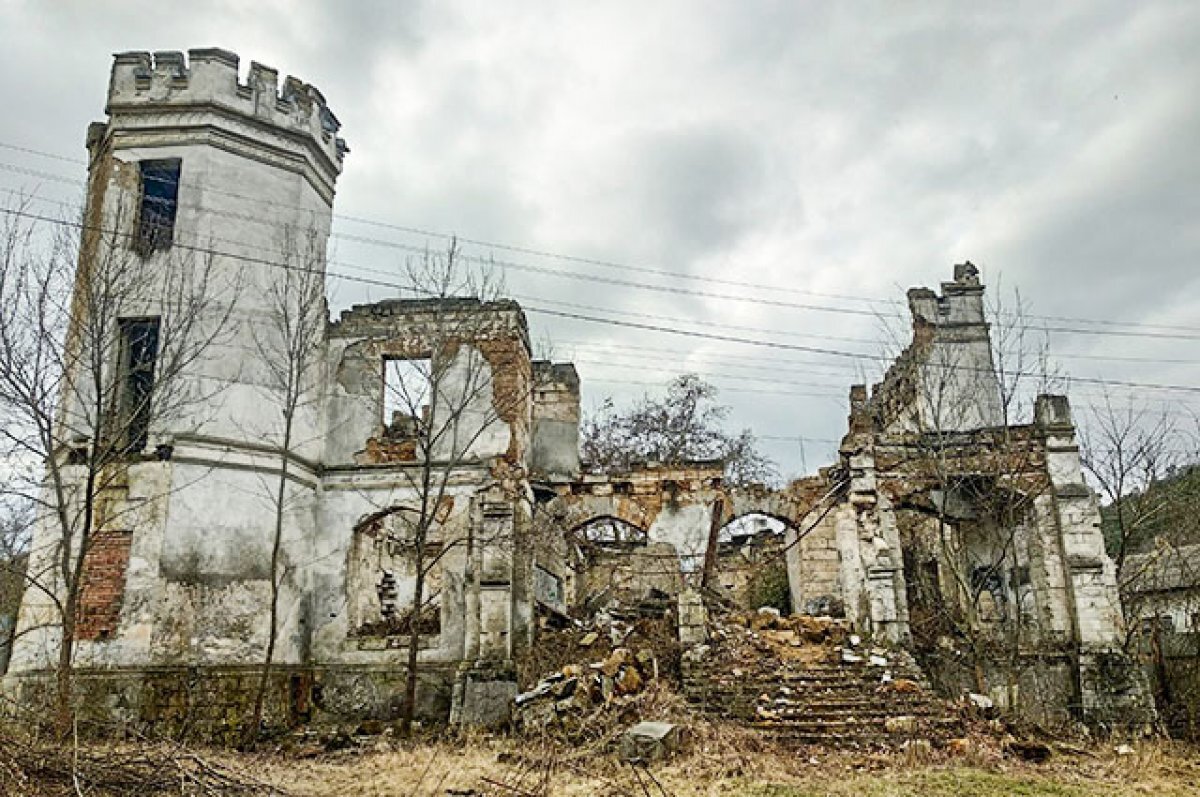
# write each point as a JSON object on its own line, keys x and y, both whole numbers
{"x": 750, "y": 569}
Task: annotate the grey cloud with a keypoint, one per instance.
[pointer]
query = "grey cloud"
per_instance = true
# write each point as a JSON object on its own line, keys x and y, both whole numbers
{"x": 852, "y": 147}
{"x": 697, "y": 191}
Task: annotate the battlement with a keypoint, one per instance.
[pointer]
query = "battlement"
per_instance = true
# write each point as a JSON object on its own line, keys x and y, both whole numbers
{"x": 210, "y": 77}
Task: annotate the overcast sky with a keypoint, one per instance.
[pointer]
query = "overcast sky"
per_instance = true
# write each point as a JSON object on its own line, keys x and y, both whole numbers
{"x": 831, "y": 154}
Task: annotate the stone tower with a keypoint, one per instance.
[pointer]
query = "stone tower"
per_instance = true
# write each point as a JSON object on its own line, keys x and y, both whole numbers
{"x": 197, "y": 174}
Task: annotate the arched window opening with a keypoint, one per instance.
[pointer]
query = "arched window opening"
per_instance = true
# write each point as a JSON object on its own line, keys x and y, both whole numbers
{"x": 611, "y": 532}
{"x": 383, "y": 576}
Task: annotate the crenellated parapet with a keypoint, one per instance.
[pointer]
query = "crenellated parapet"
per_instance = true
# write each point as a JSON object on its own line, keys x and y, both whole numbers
{"x": 209, "y": 78}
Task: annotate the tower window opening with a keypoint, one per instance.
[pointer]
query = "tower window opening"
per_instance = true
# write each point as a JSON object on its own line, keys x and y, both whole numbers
{"x": 160, "y": 201}
{"x": 139, "y": 351}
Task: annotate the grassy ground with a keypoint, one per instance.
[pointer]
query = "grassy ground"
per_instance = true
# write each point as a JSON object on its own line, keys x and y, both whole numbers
{"x": 500, "y": 768}
{"x": 717, "y": 761}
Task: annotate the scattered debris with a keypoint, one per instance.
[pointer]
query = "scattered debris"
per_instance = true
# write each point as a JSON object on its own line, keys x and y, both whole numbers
{"x": 905, "y": 723}
{"x": 982, "y": 705}
{"x": 904, "y": 686}
{"x": 614, "y": 675}
{"x": 981, "y": 702}
{"x": 958, "y": 747}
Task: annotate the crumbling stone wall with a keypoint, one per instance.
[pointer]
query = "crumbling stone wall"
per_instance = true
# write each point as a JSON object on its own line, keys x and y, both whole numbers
{"x": 181, "y": 593}
{"x": 677, "y": 509}
{"x": 979, "y": 540}
{"x": 172, "y": 626}
{"x": 454, "y": 333}
{"x": 555, "y": 443}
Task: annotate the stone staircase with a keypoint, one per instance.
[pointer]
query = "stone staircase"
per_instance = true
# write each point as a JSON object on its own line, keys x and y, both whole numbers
{"x": 838, "y": 691}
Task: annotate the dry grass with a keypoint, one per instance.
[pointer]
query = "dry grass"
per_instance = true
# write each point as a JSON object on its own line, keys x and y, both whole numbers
{"x": 509, "y": 767}
{"x": 718, "y": 760}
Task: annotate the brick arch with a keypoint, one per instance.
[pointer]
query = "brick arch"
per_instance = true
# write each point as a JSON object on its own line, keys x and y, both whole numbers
{"x": 789, "y": 505}
{"x": 643, "y": 534}
{"x": 728, "y": 519}
{"x": 370, "y": 522}
{"x": 575, "y": 511}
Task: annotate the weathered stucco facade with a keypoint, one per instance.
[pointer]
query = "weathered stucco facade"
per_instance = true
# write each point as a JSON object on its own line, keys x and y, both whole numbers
{"x": 932, "y": 483}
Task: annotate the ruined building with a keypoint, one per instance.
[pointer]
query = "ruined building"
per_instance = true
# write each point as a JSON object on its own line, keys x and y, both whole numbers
{"x": 988, "y": 552}
{"x": 942, "y": 524}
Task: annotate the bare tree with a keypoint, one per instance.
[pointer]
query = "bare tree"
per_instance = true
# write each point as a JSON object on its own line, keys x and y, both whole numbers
{"x": 16, "y": 521}
{"x": 1127, "y": 448}
{"x": 96, "y": 352}
{"x": 445, "y": 394}
{"x": 687, "y": 424}
{"x": 1144, "y": 463}
{"x": 290, "y": 346}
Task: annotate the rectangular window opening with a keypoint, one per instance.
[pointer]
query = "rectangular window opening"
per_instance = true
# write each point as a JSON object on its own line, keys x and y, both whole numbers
{"x": 159, "y": 203}
{"x": 139, "y": 352}
{"x": 407, "y": 390}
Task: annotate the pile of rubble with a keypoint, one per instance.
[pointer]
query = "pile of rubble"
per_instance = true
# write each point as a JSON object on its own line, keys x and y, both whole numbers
{"x": 577, "y": 689}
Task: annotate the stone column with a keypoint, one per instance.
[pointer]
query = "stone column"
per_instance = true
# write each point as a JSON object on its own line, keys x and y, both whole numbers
{"x": 1112, "y": 688}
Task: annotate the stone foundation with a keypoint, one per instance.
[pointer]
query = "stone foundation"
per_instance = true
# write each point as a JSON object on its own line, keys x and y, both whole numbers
{"x": 214, "y": 704}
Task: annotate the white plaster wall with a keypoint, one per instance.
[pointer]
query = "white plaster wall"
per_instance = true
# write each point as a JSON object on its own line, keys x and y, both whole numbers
{"x": 466, "y": 390}
{"x": 38, "y": 633}
{"x": 352, "y": 411}
{"x": 1048, "y": 569}
{"x": 854, "y": 576}
{"x": 346, "y": 501}
{"x": 238, "y": 207}
{"x": 685, "y": 527}
{"x": 959, "y": 384}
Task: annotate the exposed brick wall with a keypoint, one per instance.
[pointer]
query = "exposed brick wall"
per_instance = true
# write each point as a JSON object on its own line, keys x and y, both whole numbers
{"x": 103, "y": 588}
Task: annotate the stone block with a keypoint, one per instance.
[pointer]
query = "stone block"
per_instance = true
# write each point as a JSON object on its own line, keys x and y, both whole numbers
{"x": 692, "y": 618}
{"x": 650, "y": 741}
{"x": 487, "y": 703}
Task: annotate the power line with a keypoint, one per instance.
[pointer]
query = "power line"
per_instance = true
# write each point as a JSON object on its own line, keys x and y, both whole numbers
{"x": 596, "y": 319}
{"x": 644, "y": 269}
{"x": 675, "y": 290}
{"x": 834, "y": 352}
{"x": 726, "y": 389}
{"x": 837, "y": 365}
{"x": 840, "y": 395}
{"x": 486, "y": 261}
